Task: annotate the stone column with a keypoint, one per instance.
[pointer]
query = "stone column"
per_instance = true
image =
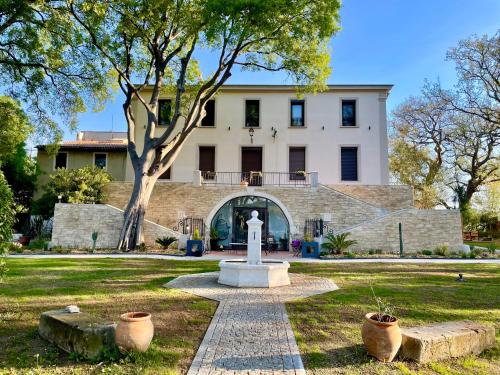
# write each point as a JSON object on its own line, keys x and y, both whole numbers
{"x": 254, "y": 239}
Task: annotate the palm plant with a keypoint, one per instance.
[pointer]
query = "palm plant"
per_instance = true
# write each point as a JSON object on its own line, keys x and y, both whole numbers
{"x": 336, "y": 244}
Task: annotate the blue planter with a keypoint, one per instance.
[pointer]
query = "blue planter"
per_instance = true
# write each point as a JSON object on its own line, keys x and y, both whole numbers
{"x": 310, "y": 250}
{"x": 194, "y": 248}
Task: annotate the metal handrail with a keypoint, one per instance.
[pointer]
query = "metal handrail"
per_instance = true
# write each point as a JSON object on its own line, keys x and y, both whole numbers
{"x": 257, "y": 178}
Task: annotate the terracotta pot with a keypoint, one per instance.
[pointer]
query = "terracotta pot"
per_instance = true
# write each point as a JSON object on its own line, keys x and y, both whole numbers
{"x": 382, "y": 340}
{"x": 134, "y": 331}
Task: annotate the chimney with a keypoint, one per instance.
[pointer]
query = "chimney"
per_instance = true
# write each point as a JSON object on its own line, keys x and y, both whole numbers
{"x": 79, "y": 136}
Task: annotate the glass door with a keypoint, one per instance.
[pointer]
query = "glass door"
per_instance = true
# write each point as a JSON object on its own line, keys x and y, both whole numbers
{"x": 240, "y": 227}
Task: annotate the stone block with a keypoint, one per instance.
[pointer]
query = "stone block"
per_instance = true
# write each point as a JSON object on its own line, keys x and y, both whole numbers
{"x": 446, "y": 340}
{"x": 77, "y": 332}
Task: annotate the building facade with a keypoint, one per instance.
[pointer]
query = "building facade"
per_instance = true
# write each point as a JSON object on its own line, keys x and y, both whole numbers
{"x": 314, "y": 165}
{"x": 341, "y": 134}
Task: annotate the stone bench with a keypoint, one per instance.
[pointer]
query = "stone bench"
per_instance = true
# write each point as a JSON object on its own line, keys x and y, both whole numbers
{"x": 446, "y": 340}
{"x": 77, "y": 332}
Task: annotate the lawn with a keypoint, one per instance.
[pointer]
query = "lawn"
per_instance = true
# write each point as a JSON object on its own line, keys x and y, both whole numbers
{"x": 105, "y": 288}
{"x": 327, "y": 326}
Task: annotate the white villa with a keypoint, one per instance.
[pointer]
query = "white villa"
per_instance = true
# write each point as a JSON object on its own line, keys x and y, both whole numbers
{"x": 316, "y": 164}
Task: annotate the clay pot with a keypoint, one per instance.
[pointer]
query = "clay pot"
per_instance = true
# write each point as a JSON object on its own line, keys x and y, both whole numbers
{"x": 134, "y": 331}
{"x": 381, "y": 339}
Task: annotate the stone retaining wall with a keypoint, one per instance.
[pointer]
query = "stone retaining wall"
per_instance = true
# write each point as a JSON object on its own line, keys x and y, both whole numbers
{"x": 422, "y": 229}
{"x": 390, "y": 197}
{"x": 74, "y": 224}
{"x": 171, "y": 202}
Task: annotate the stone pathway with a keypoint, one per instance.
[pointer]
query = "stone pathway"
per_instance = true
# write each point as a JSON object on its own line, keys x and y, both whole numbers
{"x": 250, "y": 332}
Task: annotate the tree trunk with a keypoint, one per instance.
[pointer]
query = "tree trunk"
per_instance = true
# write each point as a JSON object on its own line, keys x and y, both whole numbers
{"x": 131, "y": 234}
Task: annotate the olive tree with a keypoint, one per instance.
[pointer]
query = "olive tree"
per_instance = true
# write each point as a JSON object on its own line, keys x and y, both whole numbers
{"x": 153, "y": 48}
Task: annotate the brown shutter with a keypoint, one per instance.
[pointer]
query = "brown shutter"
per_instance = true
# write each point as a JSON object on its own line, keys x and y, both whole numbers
{"x": 207, "y": 159}
{"x": 297, "y": 159}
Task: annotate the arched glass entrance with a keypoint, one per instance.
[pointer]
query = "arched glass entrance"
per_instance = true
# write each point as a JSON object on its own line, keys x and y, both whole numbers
{"x": 230, "y": 222}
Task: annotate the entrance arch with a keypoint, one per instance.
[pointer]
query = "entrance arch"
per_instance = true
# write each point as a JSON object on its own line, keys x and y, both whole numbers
{"x": 230, "y": 214}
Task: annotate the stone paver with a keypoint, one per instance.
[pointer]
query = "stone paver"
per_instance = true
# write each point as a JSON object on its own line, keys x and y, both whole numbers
{"x": 250, "y": 332}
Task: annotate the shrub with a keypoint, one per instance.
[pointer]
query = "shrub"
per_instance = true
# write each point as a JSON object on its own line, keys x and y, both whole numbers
{"x": 7, "y": 213}
{"x": 38, "y": 244}
{"x": 337, "y": 243}
{"x": 83, "y": 185}
{"x": 308, "y": 238}
{"x": 427, "y": 252}
{"x": 474, "y": 252}
{"x": 371, "y": 252}
{"x": 214, "y": 233}
{"x": 350, "y": 255}
{"x": 441, "y": 250}
{"x": 463, "y": 255}
{"x": 196, "y": 235}
{"x": 492, "y": 248}
{"x": 165, "y": 241}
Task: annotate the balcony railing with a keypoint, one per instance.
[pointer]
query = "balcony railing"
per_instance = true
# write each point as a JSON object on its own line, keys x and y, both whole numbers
{"x": 259, "y": 178}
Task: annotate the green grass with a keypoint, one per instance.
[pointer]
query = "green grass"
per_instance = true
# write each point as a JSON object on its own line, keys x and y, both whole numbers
{"x": 104, "y": 288}
{"x": 484, "y": 243}
{"x": 328, "y": 327}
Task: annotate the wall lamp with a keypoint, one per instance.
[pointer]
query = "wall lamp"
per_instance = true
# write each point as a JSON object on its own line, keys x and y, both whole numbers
{"x": 250, "y": 132}
{"x": 229, "y": 128}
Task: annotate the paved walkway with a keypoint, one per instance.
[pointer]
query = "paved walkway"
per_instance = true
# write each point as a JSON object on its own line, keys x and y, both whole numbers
{"x": 217, "y": 256}
{"x": 250, "y": 332}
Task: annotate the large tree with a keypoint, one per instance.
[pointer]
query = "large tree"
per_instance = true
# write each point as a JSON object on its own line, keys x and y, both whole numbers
{"x": 453, "y": 134}
{"x": 153, "y": 46}
{"x": 419, "y": 128}
{"x": 44, "y": 65}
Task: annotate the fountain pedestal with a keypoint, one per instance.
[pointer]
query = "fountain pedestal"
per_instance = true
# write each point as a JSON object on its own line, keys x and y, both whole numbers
{"x": 253, "y": 272}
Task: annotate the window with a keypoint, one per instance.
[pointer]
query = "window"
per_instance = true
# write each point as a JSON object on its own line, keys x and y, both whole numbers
{"x": 297, "y": 163}
{"x": 349, "y": 163}
{"x": 101, "y": 160}
{"x": 164, "y": 112}
{"x": 61, "y": 160}
{"x": 206, "y": 163}
{"x": 297, "y": 113}
{"x": 252, "y": 109}
{"x": 166, "y": 174}
{"x": 348, "y": 112}
{"x": 209, "y": 119}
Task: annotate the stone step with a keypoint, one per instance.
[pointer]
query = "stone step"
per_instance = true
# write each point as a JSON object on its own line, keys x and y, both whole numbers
{"x": 77, "y": 332}
{"x": 446, "y": 340}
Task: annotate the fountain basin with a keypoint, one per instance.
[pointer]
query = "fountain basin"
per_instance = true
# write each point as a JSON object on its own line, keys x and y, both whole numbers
{"x": 267, "y": 274}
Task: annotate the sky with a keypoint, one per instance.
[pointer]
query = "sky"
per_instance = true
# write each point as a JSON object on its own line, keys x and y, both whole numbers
{"x": 399, "y": 42}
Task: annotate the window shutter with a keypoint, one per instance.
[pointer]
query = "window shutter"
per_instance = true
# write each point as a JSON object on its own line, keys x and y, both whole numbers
{"x": 349, "y": 163}
{"x": 207, "y": 159}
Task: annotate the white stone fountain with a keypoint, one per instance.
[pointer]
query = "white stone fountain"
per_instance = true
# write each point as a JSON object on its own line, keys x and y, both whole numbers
{"x": 253, "y": 272}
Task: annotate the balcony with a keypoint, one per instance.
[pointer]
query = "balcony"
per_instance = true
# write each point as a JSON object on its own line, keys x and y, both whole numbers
{"x": 288, "y": 179}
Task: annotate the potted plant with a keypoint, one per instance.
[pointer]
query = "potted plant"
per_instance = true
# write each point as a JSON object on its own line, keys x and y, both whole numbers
{"x": 309, "y": 247}
{"x": 194, "y": 246}
{"x": 244, "y": 182}
{"x": 214, "y": 238}
{"x": 336, "y": 244}
{"x": 380, "y": 332}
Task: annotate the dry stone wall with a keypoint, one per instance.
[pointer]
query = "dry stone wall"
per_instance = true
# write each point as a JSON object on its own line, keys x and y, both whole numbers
{"x": 74, "y": 224}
